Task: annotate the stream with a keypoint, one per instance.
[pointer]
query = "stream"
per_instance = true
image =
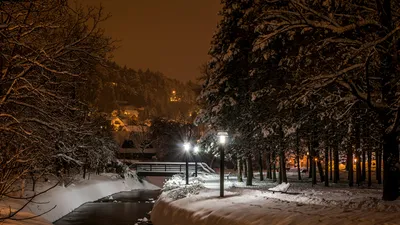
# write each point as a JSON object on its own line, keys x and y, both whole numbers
{"x": 124, "y": 208}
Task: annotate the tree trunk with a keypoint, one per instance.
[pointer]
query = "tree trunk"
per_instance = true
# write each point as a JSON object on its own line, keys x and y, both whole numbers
{"x": 269, "y": 166}
{"x": 239, "y": 166}
{"x": 298, "y": 155}
{"x": 364, "y": 161}
{"x": 314, "y": 170}
{"x": 326, "y": 166}
{"x": 320, "y": 170}
{"x": 358, "y": 168}
{"x": 330, "y": 164}
{"x": 33, "y": 181}
{"x": 350, "y": 164}
{"x": 387, "y": 71}
{"x": 245, "y": 168}
{"x": 310, "y": 159}
{"x": 378, "y": 166}
{"x": 336, "y": 163}
{"x": 249, "y": 180}
{"x": 313, "y": 161}
{"x": 308, "y": 165}
{"x": 358, "y": 158}
{"x": 84, "y": 171}
{"x": 369, "y": 167}
{"x": 274, "y": 167}
{"x": 280, "y": 178}
{"x": 260, "y": 162}
{"x": 390, "y": 171}
{"x": 282, "y": 161}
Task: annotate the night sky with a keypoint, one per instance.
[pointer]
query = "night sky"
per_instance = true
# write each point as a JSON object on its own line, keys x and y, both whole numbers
{"x": 171, "y": 36}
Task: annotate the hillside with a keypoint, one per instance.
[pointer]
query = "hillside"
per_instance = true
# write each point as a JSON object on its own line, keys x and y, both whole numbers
{"x": 115, "y": 86}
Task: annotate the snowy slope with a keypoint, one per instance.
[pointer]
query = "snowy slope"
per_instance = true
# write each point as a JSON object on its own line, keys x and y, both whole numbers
{"x": 66, "y": 199}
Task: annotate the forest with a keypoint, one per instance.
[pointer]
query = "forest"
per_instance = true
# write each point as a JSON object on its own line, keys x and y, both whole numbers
{"x": 307, "y": 78}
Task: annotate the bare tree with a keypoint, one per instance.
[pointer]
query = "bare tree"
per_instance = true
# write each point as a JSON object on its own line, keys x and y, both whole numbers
{"x": 48, "y": 50}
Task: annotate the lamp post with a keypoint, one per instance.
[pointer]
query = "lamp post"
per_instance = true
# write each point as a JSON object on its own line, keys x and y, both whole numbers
{"x": 222, "y": 140}
{"x": 196, "y": 151}
{"x": 186, "y": 147}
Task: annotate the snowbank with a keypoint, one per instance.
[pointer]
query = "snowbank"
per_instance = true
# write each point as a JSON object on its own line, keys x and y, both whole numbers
{"x": 66, "y": 199}
{"x": 254, "y": 208}
{"x": 302, "y": 204}
{"x": 281, "y": 187}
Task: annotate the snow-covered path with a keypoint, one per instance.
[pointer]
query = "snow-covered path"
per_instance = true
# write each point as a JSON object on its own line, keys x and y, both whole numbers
{"x": 200, "y": 204}
{"x": 251, "y": 209}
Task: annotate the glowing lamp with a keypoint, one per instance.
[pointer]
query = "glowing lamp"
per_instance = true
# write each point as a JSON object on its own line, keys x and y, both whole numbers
{"x": 186, "y": 146}
{"x": 222, "y": 136}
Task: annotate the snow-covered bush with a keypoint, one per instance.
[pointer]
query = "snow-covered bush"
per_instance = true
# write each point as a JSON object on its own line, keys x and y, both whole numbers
{"x": 177, "y": 189}
{"x": 129, "y": 174}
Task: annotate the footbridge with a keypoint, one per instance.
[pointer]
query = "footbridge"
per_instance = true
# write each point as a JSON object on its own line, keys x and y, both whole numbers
{"x": 169, "y": 168}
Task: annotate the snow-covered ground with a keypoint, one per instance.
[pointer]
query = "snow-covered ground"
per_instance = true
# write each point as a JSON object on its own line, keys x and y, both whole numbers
{"x": 66, "y": 199}
{"x": 263, "y": 203}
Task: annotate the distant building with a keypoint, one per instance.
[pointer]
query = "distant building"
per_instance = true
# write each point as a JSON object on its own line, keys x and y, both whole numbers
{"x": 117, "y": 123}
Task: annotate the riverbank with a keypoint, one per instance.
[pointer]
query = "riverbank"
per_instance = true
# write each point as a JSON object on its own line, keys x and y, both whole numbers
{"x": 59, "y": 201}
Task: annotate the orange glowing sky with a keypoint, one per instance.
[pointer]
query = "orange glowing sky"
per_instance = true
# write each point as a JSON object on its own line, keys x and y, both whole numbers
{"x": 170, "y": 36}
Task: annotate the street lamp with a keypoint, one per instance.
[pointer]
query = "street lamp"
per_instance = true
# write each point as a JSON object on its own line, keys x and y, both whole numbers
{"x": 222, "y": 136}
{"x": 195, "y": 151}
{"x": 186, "y": 147}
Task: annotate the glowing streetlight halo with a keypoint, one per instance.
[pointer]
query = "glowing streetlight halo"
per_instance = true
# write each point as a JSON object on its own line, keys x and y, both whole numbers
{"x": 222, "y": 136}
{"x": 196, "y": 149}
{"x": 186, "y": 146}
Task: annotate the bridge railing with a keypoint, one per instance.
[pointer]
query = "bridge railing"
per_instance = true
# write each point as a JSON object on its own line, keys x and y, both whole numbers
{"x": 170, "y": 167}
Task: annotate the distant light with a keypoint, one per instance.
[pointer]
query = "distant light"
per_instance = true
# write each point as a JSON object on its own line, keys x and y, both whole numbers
{"x": 196, "y": 149}
{"x": 308, "y": 153}
{"x": 355, "y": 160}
{"x": 316, "y": 159}
{"x": 186, "y": 146}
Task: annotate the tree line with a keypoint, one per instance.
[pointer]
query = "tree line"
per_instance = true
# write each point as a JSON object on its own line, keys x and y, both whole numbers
{"x": 306, "y": 76}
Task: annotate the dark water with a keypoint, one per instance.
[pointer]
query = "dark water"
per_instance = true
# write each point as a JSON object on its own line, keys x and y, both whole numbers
{"x": 125, "y": 208}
